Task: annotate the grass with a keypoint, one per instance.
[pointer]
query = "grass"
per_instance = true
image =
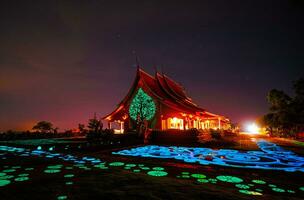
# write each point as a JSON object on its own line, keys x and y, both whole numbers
{"x": 111, "y": 184}
{"x": 119, "y": 183}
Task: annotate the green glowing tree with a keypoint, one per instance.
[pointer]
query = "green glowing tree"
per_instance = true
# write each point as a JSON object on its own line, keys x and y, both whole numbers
{"x": 142, "y": 107}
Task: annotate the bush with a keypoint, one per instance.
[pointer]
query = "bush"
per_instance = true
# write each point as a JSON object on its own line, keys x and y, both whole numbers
{"x": 105, "y": 135}
{"x": 174, "y": 136}
{"x": 215, "y": 134}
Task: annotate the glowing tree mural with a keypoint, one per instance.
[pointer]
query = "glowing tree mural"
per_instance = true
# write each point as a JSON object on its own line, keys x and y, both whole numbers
{"x": 142, "y": 107}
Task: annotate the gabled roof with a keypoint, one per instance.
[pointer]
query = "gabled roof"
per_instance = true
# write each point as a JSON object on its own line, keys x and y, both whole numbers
{"x": 164, "y": 89}
{"x": 176, "y": 92}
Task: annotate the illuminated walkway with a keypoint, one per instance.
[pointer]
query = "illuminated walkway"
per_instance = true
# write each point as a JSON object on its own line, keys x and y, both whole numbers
{"x": 271, "y": 156}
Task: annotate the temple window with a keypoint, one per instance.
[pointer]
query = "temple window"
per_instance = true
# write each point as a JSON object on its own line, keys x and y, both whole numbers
{"x": 175, "y": 123}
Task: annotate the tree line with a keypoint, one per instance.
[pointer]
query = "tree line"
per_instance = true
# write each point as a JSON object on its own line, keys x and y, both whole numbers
{"x": 94, "y": 126}
{"x": 286, "y": 113}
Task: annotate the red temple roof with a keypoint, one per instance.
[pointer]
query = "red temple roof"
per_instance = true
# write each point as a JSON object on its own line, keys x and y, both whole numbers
{"x": 164, "y": 89}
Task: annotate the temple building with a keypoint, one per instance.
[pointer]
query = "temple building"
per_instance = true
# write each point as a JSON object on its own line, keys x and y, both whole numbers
{"x": 163, "y": 104}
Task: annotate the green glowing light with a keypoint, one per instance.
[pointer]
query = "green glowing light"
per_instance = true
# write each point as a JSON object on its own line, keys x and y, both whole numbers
{"x": 250, "y": 192}
{"x": 69, "y": 176}
{"x": 69, "y": 183}
{"x": 23, "y": 174}
{"x": 103, "y": 167}
{"x": 142, "y": 106}
{"x": 158, "y": 168}
{"x": 99, "y": 165}
{"x": 4, "y": 182}
{"x": 278, "y": 189}
{"x": 116, "y": 164}
{"x": 52, "y": 171}
{"x": 259, "y": 190}
{"x": 213, "y": 180}
{"x": 62, "y": 197}
{"x": 198, "y": 175}
{"x": 185, "y": 172}
{"x": 259, "y": 181}
{"x": 145, "y": 168}
{"x": 9, "y": 170}
{"x": 185, "y": 176}
{"x": 230, "y": 179}
{"x": 29, "y": 169}
{"x": 301, "y": 188}
{"x": 242, "y": 186}
{"x": 130, "y": 165}
{"x": 69, "y": 168}
{"x": 54, "y": 166}
{"x": 16, "y": 167}
{"x": 19, "y": 179}
{"x": 136, "y": 170}
{"x": 2, "y": 174}
{"x": 202, "y": 180}
{"x": 157, "y": 173}
{"x": 291, "y": 191}
{"x": 271, "y": 185}
{"x": 6, "y": 177}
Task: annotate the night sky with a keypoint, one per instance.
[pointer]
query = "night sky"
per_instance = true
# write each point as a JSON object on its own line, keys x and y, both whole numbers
{"x": 62, "y": 61}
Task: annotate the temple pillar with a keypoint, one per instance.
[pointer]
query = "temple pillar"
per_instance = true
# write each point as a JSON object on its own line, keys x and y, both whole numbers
{"x": 121, "y": 126}
{"x": 219, "y": 123}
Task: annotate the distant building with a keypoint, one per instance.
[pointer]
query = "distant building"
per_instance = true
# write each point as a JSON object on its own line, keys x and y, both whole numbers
{"x": 162, "y": 104}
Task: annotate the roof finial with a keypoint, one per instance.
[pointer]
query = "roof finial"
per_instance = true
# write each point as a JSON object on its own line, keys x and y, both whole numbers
{"x": 155, "y": 69}
{"x": 136, "y": 60}
{"x": 162, "y": 69}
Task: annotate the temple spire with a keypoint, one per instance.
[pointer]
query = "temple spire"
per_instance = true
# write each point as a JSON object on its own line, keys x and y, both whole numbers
{"x": 162, "y": 69}
{"x": 155, "y": 69}
{"x": 137, "y": 61}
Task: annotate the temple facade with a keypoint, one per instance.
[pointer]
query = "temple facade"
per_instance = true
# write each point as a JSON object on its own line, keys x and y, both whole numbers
{"x": 162, "y": 104}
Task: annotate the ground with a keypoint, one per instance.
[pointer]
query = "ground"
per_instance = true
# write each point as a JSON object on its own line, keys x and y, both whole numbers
{"x": 83, "y": 173}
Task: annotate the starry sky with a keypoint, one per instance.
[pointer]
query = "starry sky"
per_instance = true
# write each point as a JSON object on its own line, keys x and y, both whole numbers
{"x": 61, "y": 61}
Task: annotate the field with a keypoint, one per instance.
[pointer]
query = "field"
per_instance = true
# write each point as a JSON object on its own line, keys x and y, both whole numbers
{"x": 72, "y": 169}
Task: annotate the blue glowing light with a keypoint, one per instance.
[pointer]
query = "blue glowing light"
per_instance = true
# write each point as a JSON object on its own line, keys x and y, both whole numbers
{"x": 270, "y": 156}
{"x": 47, "y": 154}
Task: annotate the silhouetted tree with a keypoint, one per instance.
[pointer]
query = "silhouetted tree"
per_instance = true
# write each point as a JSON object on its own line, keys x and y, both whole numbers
{"x": 55, "y": 130}
{"x": 286, "y": 115}
{"x": 278, "y": 100}
{"x": 43, "y": 126}
{"x": 298, "y": 105}
{"x": 95, "y": 125}
{"x": 81, "y": 128}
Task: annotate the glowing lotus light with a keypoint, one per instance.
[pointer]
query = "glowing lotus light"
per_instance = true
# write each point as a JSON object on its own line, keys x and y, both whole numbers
{"x": 253, "y": 129}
